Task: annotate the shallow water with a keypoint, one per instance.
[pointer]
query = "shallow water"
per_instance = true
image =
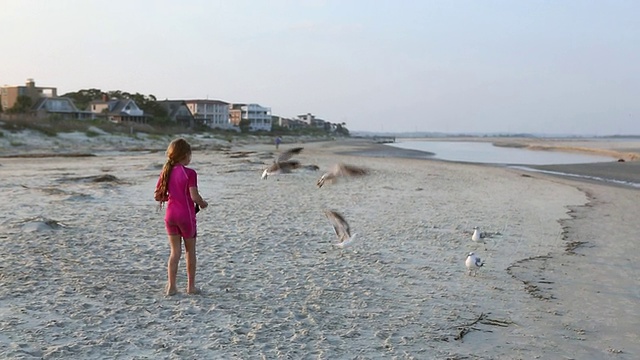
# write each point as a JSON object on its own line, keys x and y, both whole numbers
{"x": 487, "y": 153}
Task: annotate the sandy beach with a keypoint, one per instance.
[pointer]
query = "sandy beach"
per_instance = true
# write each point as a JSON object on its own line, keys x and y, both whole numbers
{"x": 84, "y": 251}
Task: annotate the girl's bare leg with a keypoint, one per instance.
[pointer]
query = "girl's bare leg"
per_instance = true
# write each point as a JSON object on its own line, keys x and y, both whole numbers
{"x": 172, "y": 265}
{"x": 190, "y": 249}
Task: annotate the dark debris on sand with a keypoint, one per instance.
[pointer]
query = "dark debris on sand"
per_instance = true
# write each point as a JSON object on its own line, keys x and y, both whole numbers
{"x": 45, "y": 155}
{"x": 107, "y": 178}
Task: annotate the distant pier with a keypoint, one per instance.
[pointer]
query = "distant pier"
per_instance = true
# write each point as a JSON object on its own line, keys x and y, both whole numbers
{"x": 384, "y": 139}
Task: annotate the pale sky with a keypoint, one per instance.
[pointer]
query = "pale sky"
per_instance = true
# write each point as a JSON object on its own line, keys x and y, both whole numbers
{"x": 570, "y": 67}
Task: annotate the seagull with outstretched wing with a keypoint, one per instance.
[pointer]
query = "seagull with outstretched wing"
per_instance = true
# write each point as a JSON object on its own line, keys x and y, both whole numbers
{"x": 282, "y": 164}
{"x": 341, "y": 170}
{"x": 341, "y": 227}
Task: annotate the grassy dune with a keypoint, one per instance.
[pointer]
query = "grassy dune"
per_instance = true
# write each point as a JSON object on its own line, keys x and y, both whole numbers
{"x": 53, "y": 126}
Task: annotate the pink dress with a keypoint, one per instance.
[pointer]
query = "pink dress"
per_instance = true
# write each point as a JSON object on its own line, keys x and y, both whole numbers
{"x": 180, "y": 217}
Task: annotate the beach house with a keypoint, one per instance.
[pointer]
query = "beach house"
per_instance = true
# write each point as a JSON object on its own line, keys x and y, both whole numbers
{"x": 211, "y": 113}
{"x": 117, "y": 110}
{"x": 11, "y": 94}
{"x": 287, "y": 123}
{"x": 60, "y": 107}
{"x": 178, "y": 112}
{"x": 41, "y": 102}
{"x": 258, "y": 117}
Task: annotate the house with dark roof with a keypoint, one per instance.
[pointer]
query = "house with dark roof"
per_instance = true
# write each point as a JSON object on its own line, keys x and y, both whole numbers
{"x": 178, "y": 112}
{"x": 118, "y": 110}
{"x": 59, "y": 106}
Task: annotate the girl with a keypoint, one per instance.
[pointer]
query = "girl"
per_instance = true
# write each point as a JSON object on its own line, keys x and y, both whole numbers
{"x": 178, "y": 187}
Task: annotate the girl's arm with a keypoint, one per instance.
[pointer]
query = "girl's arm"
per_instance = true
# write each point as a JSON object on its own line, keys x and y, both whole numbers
{"x": 195, "y": 195}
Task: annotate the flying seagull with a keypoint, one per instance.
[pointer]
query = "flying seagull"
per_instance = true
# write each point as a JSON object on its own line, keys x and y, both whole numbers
{"x": 473, "y": 263}
{"x": 339, "y": 170}
{"x": 282, "y": 164}
{"x": 341, "y": 227}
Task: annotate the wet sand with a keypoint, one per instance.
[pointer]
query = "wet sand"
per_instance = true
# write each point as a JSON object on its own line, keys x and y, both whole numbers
{"x": 615, "y": 173}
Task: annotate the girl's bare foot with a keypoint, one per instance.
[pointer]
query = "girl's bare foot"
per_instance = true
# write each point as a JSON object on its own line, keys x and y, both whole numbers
{"x": 170, "y": 291}
{"x": 193, "y": 291}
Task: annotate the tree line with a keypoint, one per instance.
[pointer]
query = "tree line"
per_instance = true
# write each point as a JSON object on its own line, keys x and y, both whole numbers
{"x": 147, "y": 103}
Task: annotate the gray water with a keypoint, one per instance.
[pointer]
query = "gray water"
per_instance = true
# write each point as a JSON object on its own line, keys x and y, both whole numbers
{"x": 486, "y": 153}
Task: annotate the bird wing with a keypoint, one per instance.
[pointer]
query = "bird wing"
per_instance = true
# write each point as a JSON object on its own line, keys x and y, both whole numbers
{"x": 287, "y": 166}
{"x": 286, "y": 155}
{"x": 350, "y": 170}
{"x": 273, "y": 167}
{"x": 326, "y": 177}
{"x": 340, "y": 225}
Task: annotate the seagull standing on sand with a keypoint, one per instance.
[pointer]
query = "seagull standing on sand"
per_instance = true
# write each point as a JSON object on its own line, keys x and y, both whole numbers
{"x": 473, "y": 263}
{"x": 341, "y": 227}
{"x": 339, "y": 170}
{"x": 476, "y": 235}
{"x": 282, "y": 164}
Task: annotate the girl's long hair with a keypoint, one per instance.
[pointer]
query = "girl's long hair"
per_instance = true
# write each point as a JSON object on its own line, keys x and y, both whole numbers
{"x": 177, "y": 150}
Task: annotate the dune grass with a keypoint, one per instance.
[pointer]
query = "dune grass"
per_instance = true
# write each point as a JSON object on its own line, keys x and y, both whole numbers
{"x": 53, "y": 126}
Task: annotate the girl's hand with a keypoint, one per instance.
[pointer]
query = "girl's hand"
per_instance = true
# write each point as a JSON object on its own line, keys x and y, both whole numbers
{"x": 204, "y": 204}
